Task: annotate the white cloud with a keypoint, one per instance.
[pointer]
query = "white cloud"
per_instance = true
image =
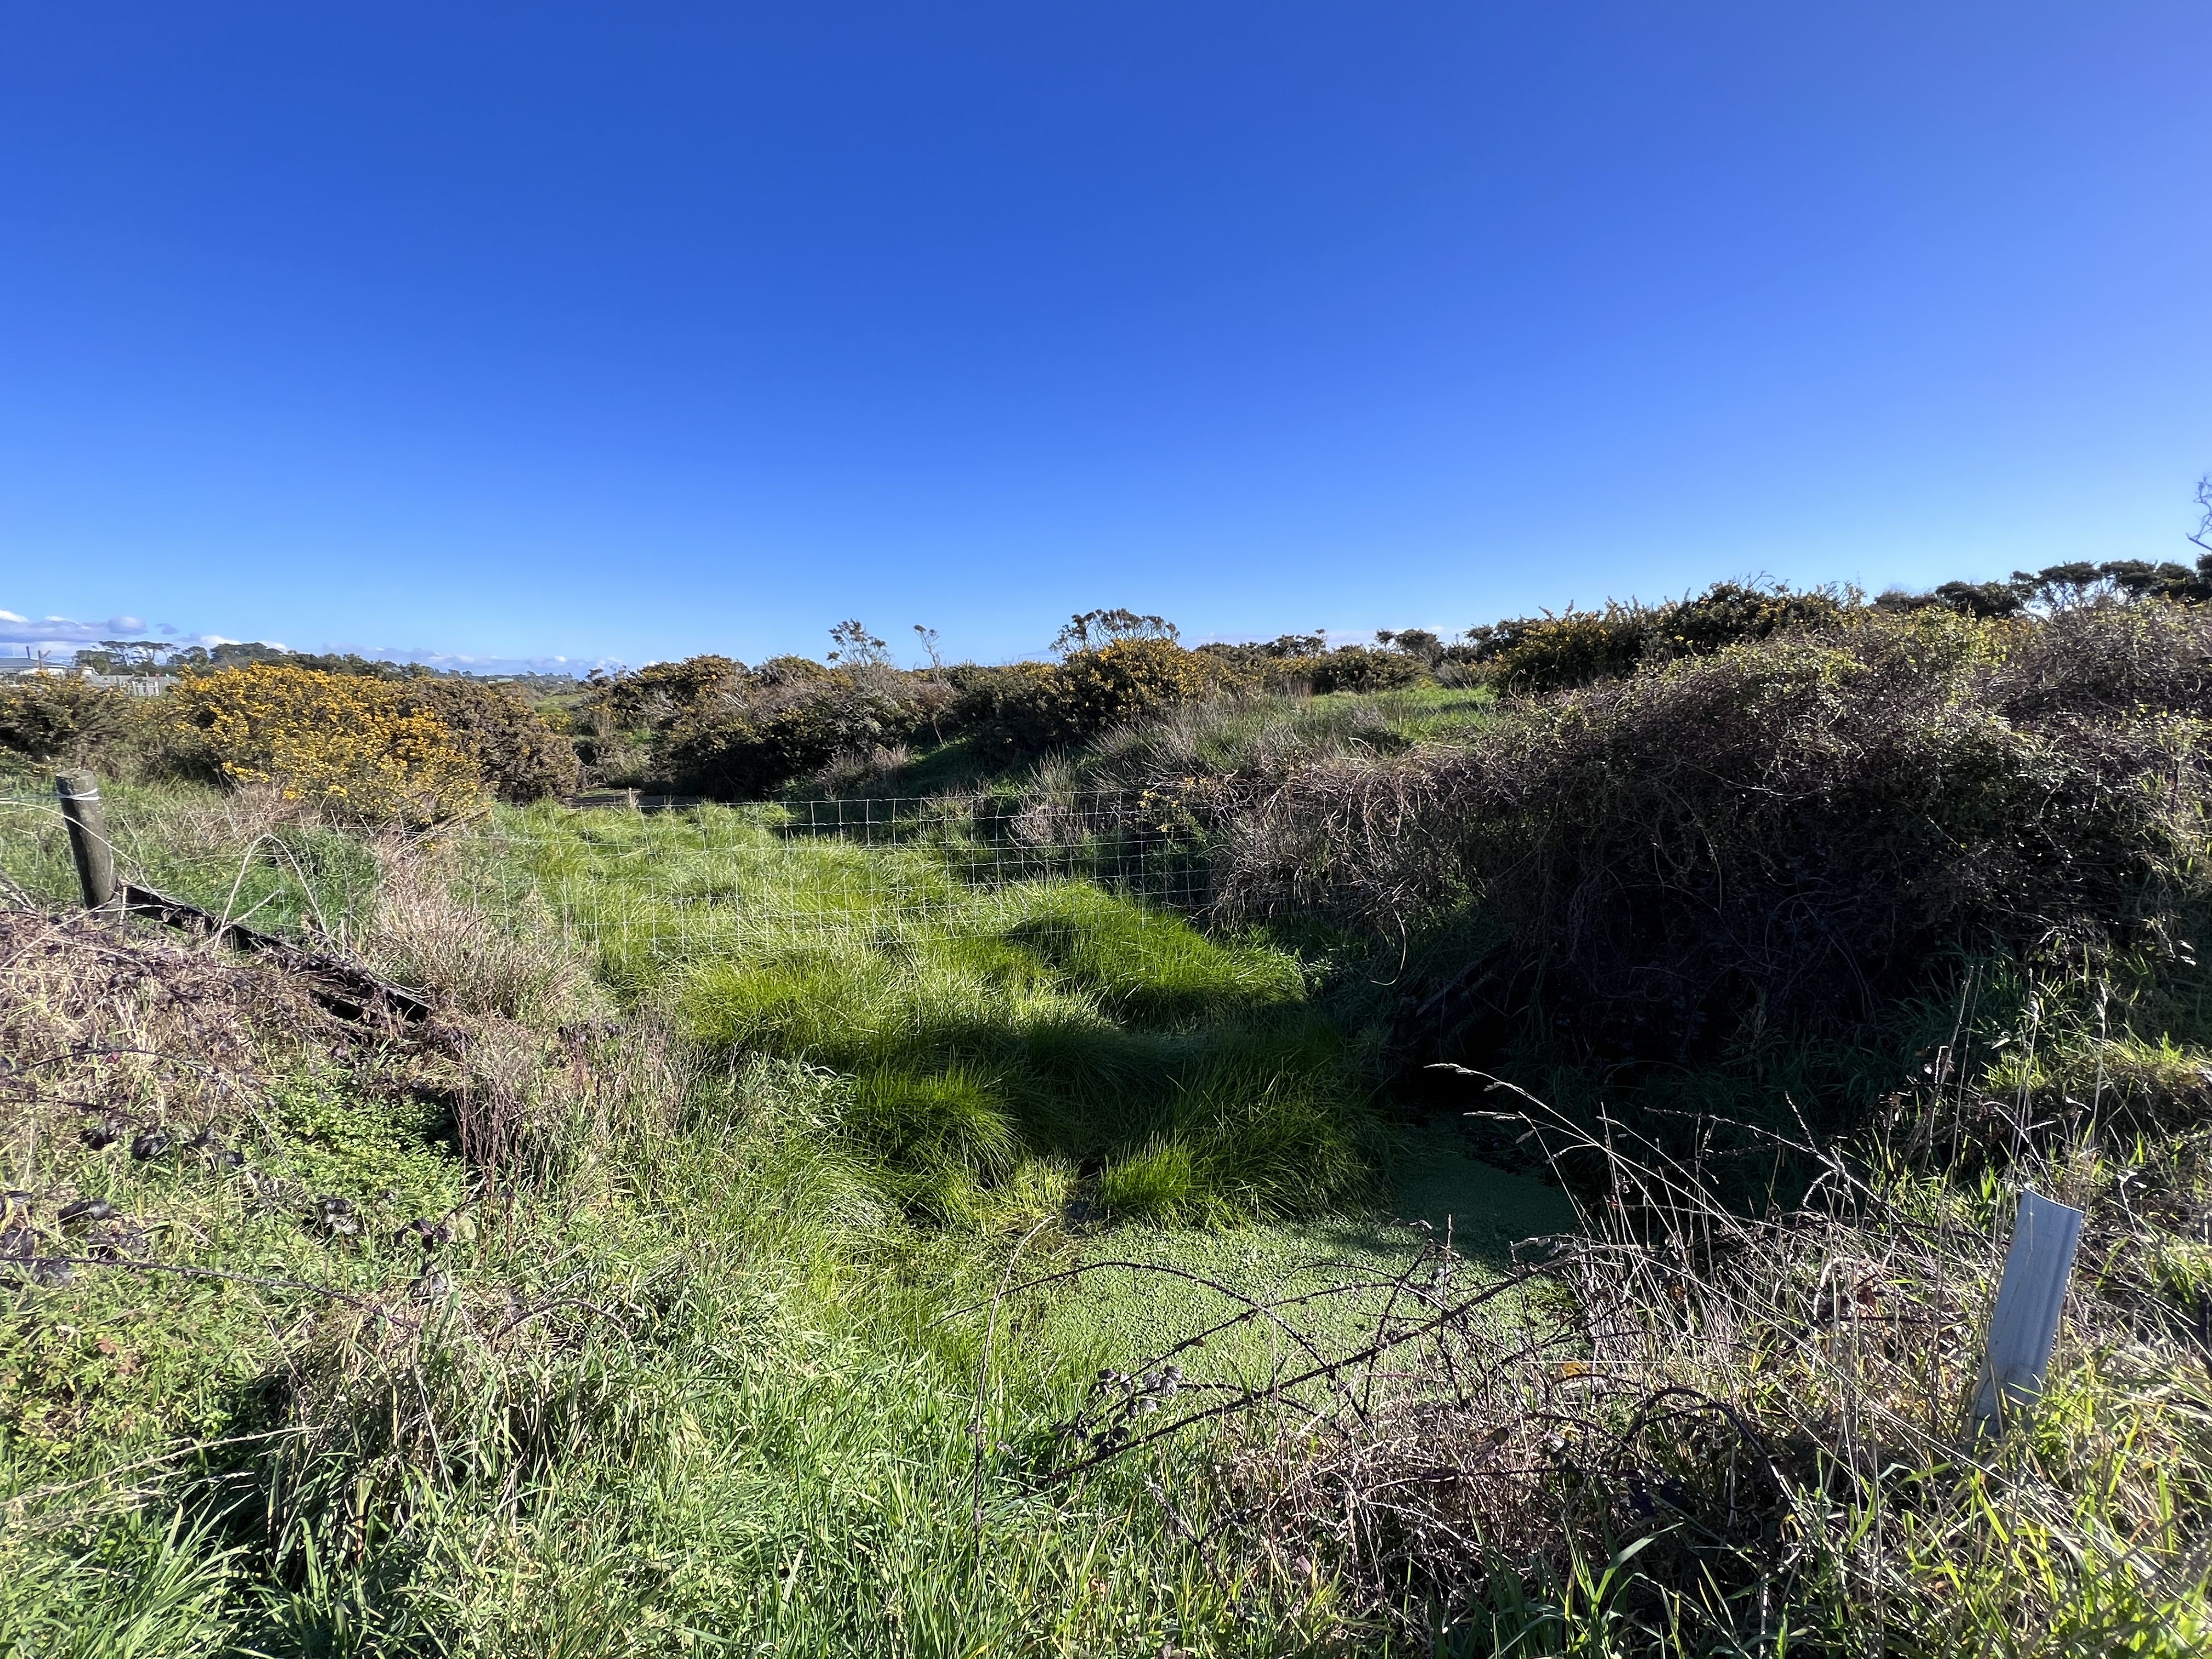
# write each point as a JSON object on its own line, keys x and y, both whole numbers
{"x": 53, "y": 633}
{"x": 59, "y": 636}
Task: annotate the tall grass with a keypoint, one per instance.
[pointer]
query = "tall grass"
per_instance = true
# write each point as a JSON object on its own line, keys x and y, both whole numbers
{"x": 706, "y": 1388}
{"x": 1002, "y": 1041}
{"x": 247, "y": 855}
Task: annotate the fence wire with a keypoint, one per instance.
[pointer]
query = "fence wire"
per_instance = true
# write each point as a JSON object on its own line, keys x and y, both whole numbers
{"x": 673, "y": 883}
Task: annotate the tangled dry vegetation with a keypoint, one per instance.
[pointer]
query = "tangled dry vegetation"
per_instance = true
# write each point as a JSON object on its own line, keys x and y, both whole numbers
{"x": 1791, "y": 828}
{"x": 202, "y": 1152}
{"x": 1684, "y": 1431}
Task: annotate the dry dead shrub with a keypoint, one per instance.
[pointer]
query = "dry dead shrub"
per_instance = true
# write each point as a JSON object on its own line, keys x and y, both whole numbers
{"x": 1792, "y": 826}
{"x": 862, "y": 768}
{"x": 136, "y": 1029}
{"x": 135, "y": 1026}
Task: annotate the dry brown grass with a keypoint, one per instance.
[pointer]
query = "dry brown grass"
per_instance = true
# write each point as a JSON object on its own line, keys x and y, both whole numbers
{"x": 514, "y": 967}
{"x": 134, "y": 1027}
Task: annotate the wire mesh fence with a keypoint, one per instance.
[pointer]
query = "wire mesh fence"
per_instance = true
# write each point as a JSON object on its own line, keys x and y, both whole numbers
{"x": 666, "y": 883}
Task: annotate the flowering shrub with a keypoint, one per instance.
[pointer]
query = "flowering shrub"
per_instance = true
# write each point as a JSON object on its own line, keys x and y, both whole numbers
{"x": 1027, "y": 708}
{"x": 357, "y": 747}
{"x": 1533, "y": 656}
{"x": 1356, "y": 668}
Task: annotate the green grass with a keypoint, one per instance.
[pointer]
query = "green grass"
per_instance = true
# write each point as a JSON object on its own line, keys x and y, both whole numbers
{"x": 281, "y": 875}
{"x": 745, "y": 1424}
{"x": 994, "y": 1037}
{"x": 708, "y": 1382}
{"x": 1439, "y": 1195}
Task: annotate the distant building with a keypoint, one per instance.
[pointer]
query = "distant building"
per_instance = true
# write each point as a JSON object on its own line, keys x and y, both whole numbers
{"x": 43, "y": 663}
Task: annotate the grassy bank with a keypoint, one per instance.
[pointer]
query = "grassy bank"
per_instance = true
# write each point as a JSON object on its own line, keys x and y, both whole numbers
{"x": 825, "y": 1234}
{"x": 690, "y": 1383}
{"x": 706, "y": 1185}
{"x": 1005, "y": 1036}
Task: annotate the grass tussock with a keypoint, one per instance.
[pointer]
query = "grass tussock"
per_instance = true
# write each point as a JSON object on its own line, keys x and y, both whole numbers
{"x": 999, "y": 1042}
{"x": 363, "y": 1390}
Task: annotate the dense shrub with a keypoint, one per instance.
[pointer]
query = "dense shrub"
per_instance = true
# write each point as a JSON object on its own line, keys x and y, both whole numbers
{"x": 1298, "y": 663}
{"x": 518, "y": 756}
{"x": 711, "y": 725}
{"x": 778, "y": 724}
{"x": 1028, "y": 708}
{"x": 353, "y": 745}
{"x": 64, "y": 718}
{"x": 656, "y": 697}
{"x": 1356, "y": 668}
{"x": 1533, "y": 655}
{"x": 1789, "y": 827}
{"x": 1729, "y": 611}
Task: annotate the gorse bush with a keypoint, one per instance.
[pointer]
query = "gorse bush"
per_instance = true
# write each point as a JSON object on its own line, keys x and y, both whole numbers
{"x": 1536, "y": 654}
{"x": 357, "y": 747}
{"x": 1031, "y": 708}
{"x": 64, "y": 718}
{"x": 1532, "y": 655}
{"x": 1356, "y": 668}
{"x": 518, "y": 755}
{"x": 712, "y": 725}
{"x": 1303, "y": 663}
{"x": 746, "y": 744}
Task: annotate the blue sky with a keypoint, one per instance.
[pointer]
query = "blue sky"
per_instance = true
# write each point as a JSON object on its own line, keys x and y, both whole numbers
{"x": 518, "y": 331}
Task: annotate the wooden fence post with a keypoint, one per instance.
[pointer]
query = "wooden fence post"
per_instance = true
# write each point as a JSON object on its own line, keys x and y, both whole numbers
{"x": 88, "y": 831}
{"x": 2030, "y": 1298}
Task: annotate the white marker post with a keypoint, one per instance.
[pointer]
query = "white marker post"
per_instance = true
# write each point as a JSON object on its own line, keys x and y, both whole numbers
{"x": 2030, "y": 1299}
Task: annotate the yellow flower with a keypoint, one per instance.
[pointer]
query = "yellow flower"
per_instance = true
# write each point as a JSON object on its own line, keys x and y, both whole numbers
{"x": 346, "y": 741}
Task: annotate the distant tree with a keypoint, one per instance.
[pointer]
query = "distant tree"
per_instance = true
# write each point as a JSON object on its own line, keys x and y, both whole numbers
{"x": 1093, "y": 630}
{"x": 1413, "y": 642}
{"x": 1980, "y": 599}
{"x": 928, "y": 638}
{"x": 856, "y": 648}
{"x": 124, "y": 656}
{"x": 2203, "y": 534}
{"x": 2060, "y": 587}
